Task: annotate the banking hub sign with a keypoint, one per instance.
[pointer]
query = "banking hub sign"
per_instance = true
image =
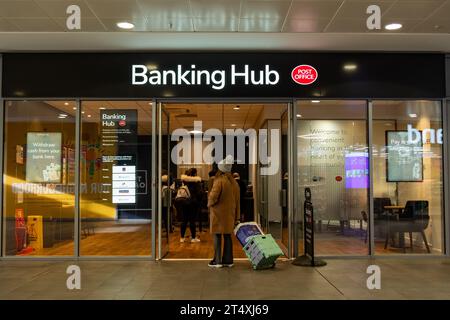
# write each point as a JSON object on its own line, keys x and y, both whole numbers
{"x": 217, "y": 79}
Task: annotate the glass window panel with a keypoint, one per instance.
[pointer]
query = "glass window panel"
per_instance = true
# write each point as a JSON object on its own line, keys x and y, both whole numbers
{"x": 332, "y": 159}
{"x": 39, "y": 177}
{"x": 408, "y": 185}
{"x": 115, "y": 202}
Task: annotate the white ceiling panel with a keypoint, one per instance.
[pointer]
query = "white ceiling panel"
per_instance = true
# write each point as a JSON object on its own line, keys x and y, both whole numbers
{"x": 229, "y": 9}
{"x": 58, "y": 8}
{"x": 347, "y": 25}
{"x": 265, "y": 9}
{"x": 21, "y": 9}
{"x": 36, "y": 25}
{"x": 260, "y": 25}
{"x": 168, "y": 24}
{"x": 165, "y": 8}
{"x": 412, "y": 9}
{"x": 443, "y": 12}
{"x": 215, "y": 25}
{"x": 123, "y": 9}
{"x": 304, "y": 25}
{"x": 87, "y": 25}
{"x": 356, "y": 9}
{"x": 314, "y": 9}
{"x": 435, "y": 26}
{"x": 6, "y": 26}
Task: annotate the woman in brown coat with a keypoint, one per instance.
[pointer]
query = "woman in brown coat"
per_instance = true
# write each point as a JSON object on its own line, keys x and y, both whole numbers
{"x": 223, "y": 202}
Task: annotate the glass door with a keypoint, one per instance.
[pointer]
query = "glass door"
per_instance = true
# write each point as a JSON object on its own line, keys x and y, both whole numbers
{"x": 164, "y": 182}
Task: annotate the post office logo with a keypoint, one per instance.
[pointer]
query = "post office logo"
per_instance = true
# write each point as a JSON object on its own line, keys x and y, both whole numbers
{"x": 304, "y": 74}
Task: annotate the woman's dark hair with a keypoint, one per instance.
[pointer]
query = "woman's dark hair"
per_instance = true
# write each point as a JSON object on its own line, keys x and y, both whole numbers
{"x": 192, "y": 172}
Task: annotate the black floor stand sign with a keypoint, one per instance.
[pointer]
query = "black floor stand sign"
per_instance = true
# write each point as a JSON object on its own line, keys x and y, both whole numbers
{"x": 308, "y": 259}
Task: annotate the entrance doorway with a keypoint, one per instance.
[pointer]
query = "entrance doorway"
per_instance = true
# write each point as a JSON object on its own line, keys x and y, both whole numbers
{"x": 192, "y": 138}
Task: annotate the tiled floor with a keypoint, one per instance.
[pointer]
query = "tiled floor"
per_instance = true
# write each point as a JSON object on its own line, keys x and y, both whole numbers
{"x": 340, "y": 279}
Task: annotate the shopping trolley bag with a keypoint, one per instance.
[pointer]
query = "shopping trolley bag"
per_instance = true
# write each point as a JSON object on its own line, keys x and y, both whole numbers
{"x": 244, "y": 231}
{"x": 262, "y": 251}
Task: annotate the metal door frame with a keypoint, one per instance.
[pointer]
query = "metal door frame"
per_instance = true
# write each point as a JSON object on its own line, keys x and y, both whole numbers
{"x": 156, "y": 158}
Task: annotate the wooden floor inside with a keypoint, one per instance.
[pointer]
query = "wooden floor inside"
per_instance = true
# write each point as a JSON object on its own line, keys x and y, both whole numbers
{"x": 197, "y": 250}
{"x": 132, "y": 239}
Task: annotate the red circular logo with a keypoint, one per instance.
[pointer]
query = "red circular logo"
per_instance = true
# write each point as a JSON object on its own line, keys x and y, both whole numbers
{"x": 338, "y": 178}
{"x": 122, "y": 123}
{"x": 304, "y": 74}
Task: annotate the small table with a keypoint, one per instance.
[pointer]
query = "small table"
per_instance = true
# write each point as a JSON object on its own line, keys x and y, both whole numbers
{"x": 397, "y": 210}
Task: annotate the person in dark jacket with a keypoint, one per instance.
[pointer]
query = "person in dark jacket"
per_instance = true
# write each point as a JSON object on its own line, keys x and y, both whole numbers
{"x": 192, "y": 210}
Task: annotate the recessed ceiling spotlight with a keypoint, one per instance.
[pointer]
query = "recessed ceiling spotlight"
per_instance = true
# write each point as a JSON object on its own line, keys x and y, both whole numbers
{"x": 125, "y": 25}
{"x": 393, "y": 26}
{"x": 74, "y": 108}
{"x": 102, "y": 108}
{"x": 299, "y": 115}
{"x": 82, "y": 112}
{"x": 315, "y": 101}
{"x": 233, "y": 124}
{"x": 89, "y": 115}
{"x": 66, "y": 103}
{"x": 350, "y": 67}
{"x": 237, "y": 108}
{"x": 413, "y": 115}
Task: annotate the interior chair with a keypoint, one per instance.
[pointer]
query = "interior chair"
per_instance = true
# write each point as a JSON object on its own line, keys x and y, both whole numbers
{"x": 378, "y": 207}
{"x": 414, "y": 219}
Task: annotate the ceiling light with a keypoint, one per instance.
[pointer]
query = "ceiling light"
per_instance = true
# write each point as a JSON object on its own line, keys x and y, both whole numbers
{"x": 66, "y": 103}
{"x": 102, "y": 108}
{"x": 195, "y": 132}
{"x": 237, "y": 108}
{"x": 62, "y": 116}
{"x": 393, "y": 26}
{"x": 233, "y": 124}
{"x": 125, "y": 25}
{"x": 89, "y": 115}
{"x": 82, "y": 112}
{"x": 74, "y": 108}
{"x": 299, "y": 115}
{"x": 350, "y": 67}
{"x": 315, "y": 101}
{"x": 413, "y": 115}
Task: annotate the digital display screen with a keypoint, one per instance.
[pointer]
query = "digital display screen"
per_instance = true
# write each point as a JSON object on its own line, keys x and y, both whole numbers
{"x": 404, "y": 157}
{"x": 357, "y": 170}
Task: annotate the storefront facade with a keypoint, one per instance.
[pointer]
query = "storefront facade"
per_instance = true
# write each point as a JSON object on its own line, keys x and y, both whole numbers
{"x": 86, "y": 141}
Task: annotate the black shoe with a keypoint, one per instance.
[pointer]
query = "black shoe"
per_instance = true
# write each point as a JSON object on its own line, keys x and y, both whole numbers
{"x": 213, "y": 264}
{"x": 228, "y": 265}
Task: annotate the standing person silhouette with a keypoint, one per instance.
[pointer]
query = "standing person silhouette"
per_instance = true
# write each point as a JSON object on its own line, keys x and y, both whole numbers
{"x": 223, "y": 202}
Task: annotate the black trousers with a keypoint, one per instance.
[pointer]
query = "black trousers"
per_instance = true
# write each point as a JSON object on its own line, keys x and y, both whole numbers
{"x": 189, "y": 216}
{"x": 225, "y": 256}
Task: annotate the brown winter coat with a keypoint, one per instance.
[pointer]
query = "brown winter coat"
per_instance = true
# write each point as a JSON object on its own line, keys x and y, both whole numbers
{"x": 223, "y": 202}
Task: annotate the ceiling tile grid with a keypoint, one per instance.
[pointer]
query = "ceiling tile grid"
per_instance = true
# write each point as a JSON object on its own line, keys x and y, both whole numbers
{"x": 288, "y": 16}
